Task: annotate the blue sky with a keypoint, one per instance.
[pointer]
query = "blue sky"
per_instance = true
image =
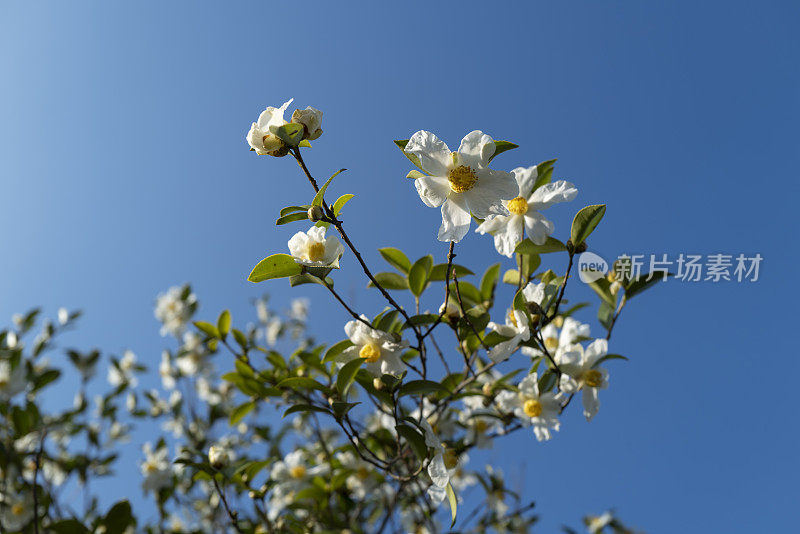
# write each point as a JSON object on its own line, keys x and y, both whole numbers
{"x": 125, "y": 171}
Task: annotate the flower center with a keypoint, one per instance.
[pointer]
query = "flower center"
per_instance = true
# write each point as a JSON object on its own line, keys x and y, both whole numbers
{"x": 17, "y": 509}
{"x": 532, "y": 408}
{"x": 271, "y": 142}
{"x": 316, "y": 251}
{"x": 518, "y": 206}
{"x": 593, "y": 378}
{"x": 297, "y": 471}
{"x": 370, "y": 352}
{"x": 461, "y": 178}
{"x": 150, "y": 467}
{"x": 450, "y": 459}
{"x": 481, "y": 426}
{"x": 551, "y": 343}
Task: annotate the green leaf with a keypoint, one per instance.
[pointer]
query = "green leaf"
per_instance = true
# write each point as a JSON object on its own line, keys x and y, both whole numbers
{"x": 305, "y": 408}
{"x": 240, "y": 338}
{"x": 291, "y": 209}
{"x": 292, "y": 217}
{"x": 415, "y": 387}
{"x": 390, "y": 281}
{"x": 602, "y": 287}
{"x": 585, "y": 222}
{"x": 238, "y": 413}
{"x": 551, "y": 245}
{"x": 396, "y": 259}
{"x": 119, "y": 517}
{"x": 347, "y": 374}
{"x": 544, "y": 173}
{"x": 418, "y": 275}
{"x": 605, "y": 314}
{"x": 527, "y": 263}
{"x": 68, "y": 526}
{"x": 301, "y": 382}
{"x": 414, "y": 174}
{"x": 307, "y": 278}
{"x": 453, "y": 501}
{"x": 321, "y": 193}
{"x": 641, "y": 283}
{"x": 439, "y": 272}
{"x": 340, "y": 409}
{"x": 304, "y": 143}
{"x": 414, "y": 439}
{"x": 609, "y": 357}
{"x": 207, "y": 328}
{"x": 224, "y": 323}
{"x": 502, "y": 146}
{"x": 340, "y": 202}
{"x": 334, "y": 352}
{"x": 489, "y": 281}
{"x": 290, "y": 133}
{"x": 401, "y": 144}
{"x": 511, "y": 277}
{"x": 275, "y": 266}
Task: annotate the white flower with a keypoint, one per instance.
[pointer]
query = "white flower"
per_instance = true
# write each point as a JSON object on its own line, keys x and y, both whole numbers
{"x": 298, "y": 309}
{"x": 219, "y": 456}
{"x": 63, "y": 316}
{"x": 314, "y": 249}
{"x": 12, "y": 381}
{"x": 156, "y": 468}
{"x": 581, "y": 373}
{"x": 516, "y": 328}
{"x": 261, "y": 136}
{"x": 524, "y": 212}
{"x": 174, "y": 309}
{"x": 17, "y": 511}
{"x": 291, "y": 474}
{"x": 540, "y": 411}
{"x": 479, "y": 420}
{"x": 166, "y": 370}
{"x": 438, "y": 468}
{"x": 122, "y": 372}
{"x": 362, "y": 480}
{"x": 311, "y": 119}
{"x": 559, "y": 335}
{"x": 460, "y": 182}
{"x": 192, "y": 357}
{"x": 596, "y": 524}
{"x": 380, "y": 352}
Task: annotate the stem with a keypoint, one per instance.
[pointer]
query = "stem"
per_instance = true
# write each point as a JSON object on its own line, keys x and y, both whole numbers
{"x": 442, "y": 313}
{"x": 356, "y": 316}
{"x": 231, "y": 513}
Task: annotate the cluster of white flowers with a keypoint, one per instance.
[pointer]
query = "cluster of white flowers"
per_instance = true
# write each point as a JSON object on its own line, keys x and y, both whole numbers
{"x": 174, "y": 309}
{"x": 264, "y": 137}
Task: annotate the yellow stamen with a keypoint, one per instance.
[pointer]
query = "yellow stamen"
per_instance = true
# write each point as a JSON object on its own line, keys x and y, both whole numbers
{"x": 370, "y": 352}
{"x": 316, "y": 251}
{"x": 592, "y": 378}
{"x": 532, "y": 408}
{"x": 297, "y": 471}
{"x": 461, "y": 178}
{"x": 551, "y": 343}
{"x": 450, "y": 458}
{"x": 481, "y": 426}
{"x": 559, "y": 322}
{"x": 518, "y": 206}
{"x": 17, "y": 509}
{"x": 512, "y": 318}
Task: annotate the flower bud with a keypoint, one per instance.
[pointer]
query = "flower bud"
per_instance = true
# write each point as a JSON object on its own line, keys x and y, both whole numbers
{"x": 451, "y": 311}
{"x": 378, "y": 384}
{"x": 315, "y": 213}
{"x": 311, "y": 119}
{"x": 580, "y": 249}
{"x": 218, "y": 456}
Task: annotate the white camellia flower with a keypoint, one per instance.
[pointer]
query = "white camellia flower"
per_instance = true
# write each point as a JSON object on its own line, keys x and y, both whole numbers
{"x": 559, "y": 335}
{"x": 479, "y": 420}
{"x": 261, "y": 136}
{"x": 156, "y": 469}
{"x": 380, "y": 352}
{"x": 314, "y": 249}
{"x": 441, "y": 466}
{"x": 122, "y": 373}
{"x": 539, "y": 411}
{"x": 524, "y": 212}
{"x": 219, "y": 456}
{"x": 290, "y": 475}
{"x": 17, "y": 511}
{"x": 12, "y": 381}
{"x": 517, "y": 328}
{"x": 460, "y": 182}
{"x": 362, "y": 480}
{"x": 580, "y": 373}
{"x": 311, "y": 119}
{"x": 174, "y": 309}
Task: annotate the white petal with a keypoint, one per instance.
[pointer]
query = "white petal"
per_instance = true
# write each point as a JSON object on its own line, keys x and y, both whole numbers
{"x": 432, "y": 152}
{"x": 568, "y": 384}
{"x": 534, "y": 292}
{"x": 549, "y": 194}
{"x": 503, "y": 350}
{"x": 298, "y": 244}
{"x": 391, "y": 364}
{"x": 590, "y": 403}
{"x": 526, "y": 178}
{"x": 538, "y": 227}
{"x": 436, "y": 493}
{"x": 438, "y": 471}
{"x": 433, "y": 190}
{"x": 596, "y": 350}
{"x": 455, "y": 219}
{"x": 529, "y": 386}
{"x": 507, "y": 238}
{"x": 476, "y": 149}
{"x": 492, "y": 224}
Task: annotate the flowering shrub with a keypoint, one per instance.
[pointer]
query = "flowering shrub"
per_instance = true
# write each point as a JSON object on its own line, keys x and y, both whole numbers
{"x": 376, "y": 426}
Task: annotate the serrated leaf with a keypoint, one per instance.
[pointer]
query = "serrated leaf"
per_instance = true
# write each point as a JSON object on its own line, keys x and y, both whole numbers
{"x": 321, "y": 193}
{"x": 585, "y": 222}
{"x": 347, "y": 374}
{"x": 396, "y": 258}
{"x": 275, "y": 266}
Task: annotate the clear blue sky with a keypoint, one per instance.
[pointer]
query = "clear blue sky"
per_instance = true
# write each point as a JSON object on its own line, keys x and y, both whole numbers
{"x": 124, "y": 171}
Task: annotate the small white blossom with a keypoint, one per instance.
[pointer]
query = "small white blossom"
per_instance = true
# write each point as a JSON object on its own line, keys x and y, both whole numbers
{"x": 460, "y": 182}
{"x": 580, "y": 372}
{"x": 538, "y": 410}
{"x": 524, "y": 212}
{"x": 122, "y": 373}
{"x": 261, "y": 136}
{"x": 12, "y": 380}
{"x": 314, "y": 249}
{"x": 173, "y": 310}
{"x": 380, "y": 352}
{"x": 311, "y": 119}
{"x": 16, "y": 511}
{"x": 517, "y": 328}
{"x": 156, "y": 468}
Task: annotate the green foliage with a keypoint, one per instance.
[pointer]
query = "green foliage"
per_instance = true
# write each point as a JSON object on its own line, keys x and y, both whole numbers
{"x": 274, "y": 266}
{"x": 585, "y": 221}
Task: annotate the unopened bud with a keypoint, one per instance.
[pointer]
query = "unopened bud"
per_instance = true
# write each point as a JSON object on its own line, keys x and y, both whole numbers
{"x": 487, "y": 389}
{"x": 218, "y": 456}
{"x": 570, "y": 246}
{"x": 311, "y": 119}
{"x": 580, "y": 249}
{"x": 378, "y": 384}
{"x": 558, "y": 321}
{"x": 315, "y": 213}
